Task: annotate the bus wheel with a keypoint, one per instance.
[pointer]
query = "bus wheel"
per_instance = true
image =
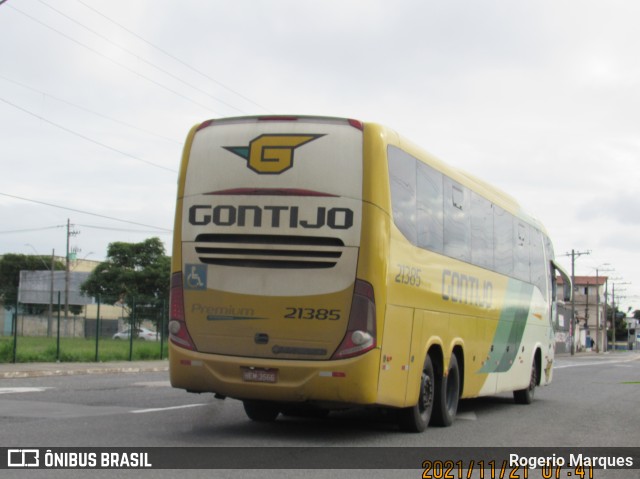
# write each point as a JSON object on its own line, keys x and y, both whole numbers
{"x": 525, "y": 396}
{"x": 447, "y": 394}
{"x": 416, "y": 418}
{"x": 261, "y": 411}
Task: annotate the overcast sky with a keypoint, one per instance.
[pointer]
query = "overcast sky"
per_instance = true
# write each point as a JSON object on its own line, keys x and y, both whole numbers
{"x": 539, "y": 97}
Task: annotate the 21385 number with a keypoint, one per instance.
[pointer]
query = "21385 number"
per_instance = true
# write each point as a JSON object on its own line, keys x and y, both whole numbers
{"x": 408, "y": 275}
{"x": 313, "y": 313}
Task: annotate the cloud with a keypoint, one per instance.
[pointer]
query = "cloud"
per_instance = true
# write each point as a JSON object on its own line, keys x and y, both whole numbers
{"x": 622, "y": 208}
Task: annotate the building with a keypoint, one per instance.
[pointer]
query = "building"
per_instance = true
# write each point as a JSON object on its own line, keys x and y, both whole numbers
{"x": 633, "y": 332}
{"x": 47, "y": 288}
{"x": 589, "y": 298}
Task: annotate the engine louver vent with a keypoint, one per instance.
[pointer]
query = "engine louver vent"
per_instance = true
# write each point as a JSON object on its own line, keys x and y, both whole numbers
{"x": 269, "y": 251}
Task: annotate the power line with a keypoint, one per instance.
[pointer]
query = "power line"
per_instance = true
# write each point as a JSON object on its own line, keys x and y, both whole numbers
{"x": 31, "y": 230}
{"x": 138, "y": 57}
{"x": 130, "y": 70}
{"x": 75, "y": 210}
{"x": 84, "y": 137}
{"x": 80, "y": 107}
{"x": 123, "y": 230}
{"x": 173, "y": 57}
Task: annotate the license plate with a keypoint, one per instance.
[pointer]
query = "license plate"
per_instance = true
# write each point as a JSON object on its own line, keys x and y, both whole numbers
{"x": 259, "y": 375}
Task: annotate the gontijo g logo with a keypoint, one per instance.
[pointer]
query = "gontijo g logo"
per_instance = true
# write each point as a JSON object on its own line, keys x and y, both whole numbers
{"x": 271, "y": 154}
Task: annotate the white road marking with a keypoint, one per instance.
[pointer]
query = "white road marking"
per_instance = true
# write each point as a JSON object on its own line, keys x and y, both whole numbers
{"x": 153, "y": 384}
{"x": 22, "y": 390}
{"x": 54, "y": 410}
{"x": 590, "y": 363}
{"x": 159, "y": 409}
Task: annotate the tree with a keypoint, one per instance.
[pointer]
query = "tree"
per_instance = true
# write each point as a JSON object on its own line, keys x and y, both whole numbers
{"x": 620, "y": 323}
{"x": 134, "y": 273}
{"x": 10, "y": 267}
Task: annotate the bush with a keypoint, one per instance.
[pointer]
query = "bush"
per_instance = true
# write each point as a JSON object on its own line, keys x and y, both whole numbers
{"x": 6, "y": 351}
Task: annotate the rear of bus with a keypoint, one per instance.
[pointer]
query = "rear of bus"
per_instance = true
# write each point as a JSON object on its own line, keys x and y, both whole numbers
{"x": 266, "y": 305}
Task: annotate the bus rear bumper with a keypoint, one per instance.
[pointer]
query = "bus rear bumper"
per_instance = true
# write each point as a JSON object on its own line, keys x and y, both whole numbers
{"x": 352, "y": 381}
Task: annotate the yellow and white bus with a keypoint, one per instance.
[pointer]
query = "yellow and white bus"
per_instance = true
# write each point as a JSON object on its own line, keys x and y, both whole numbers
{"x": 323, "y": 263}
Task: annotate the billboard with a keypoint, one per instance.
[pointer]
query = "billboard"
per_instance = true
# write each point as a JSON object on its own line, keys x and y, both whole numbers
{"x": 35, "y": 287}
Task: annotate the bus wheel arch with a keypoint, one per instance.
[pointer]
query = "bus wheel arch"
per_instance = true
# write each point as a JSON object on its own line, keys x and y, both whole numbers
{"x": 447, "y": 391}
{"x": 526, "y": 395}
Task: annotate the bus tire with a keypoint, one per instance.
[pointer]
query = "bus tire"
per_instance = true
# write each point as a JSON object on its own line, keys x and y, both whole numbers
{"x": 525, "y": 396}
{"x": 261, "y": 411}
{"x": 416, "y": 418}
{"x": 447, "y": 395}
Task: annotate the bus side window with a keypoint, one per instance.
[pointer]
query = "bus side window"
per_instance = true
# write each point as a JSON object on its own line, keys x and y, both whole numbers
{"x": 430, "y": 209}
{"x": 402, "y": 176}
{"x": 503, "y": 241}
{"x": 481, "y": 232}
{"x": 521, "y": 252}
{"x": 538, "y": 270}
{"x": 457, "y": 221}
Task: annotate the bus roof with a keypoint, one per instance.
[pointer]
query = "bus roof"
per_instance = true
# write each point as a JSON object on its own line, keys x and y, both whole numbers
{"x": 390, "y": 136}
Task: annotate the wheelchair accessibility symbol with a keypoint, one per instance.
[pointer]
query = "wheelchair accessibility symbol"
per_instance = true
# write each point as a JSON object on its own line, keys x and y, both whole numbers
{"x": 195, "y": 276}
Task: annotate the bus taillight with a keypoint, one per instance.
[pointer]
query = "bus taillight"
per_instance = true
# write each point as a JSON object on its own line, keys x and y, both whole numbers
{"x": 178, "y": 333}
{"x": 361, "y": 330}
{"x": 356, "y": 124}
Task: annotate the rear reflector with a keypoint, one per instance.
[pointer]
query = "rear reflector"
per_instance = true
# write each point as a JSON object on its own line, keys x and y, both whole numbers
{"x": 332, "y": 374}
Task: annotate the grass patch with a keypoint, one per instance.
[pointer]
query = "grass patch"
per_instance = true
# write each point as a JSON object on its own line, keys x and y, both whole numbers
{"x": 36, "y": 349}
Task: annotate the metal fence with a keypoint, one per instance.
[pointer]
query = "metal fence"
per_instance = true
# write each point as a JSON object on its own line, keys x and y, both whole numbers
{"x": 79, "y": 326}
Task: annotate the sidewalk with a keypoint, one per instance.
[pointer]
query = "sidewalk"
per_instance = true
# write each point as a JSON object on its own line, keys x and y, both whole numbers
{"x": 29, "y": 370}
{"x": 591, "y": 354}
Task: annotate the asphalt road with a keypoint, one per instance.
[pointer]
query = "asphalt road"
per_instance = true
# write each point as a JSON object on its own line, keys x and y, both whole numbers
{"x": 593, "y": 402}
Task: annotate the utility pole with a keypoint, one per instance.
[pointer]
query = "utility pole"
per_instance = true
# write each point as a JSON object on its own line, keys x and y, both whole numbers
{"x": 597, "y": 312}
{"x": 50, "y": 320}
{"x": 67, "y": 275}
{"x": 574, "y": 322}
{"x": 601, "y": 338}
{"x": 586, "y": 308}
{"x": 613, "y": 313}
{"x": 613, "y": 318}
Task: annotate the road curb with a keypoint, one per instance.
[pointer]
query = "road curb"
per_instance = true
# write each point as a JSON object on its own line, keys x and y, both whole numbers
{"x": 31, "y": 370}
